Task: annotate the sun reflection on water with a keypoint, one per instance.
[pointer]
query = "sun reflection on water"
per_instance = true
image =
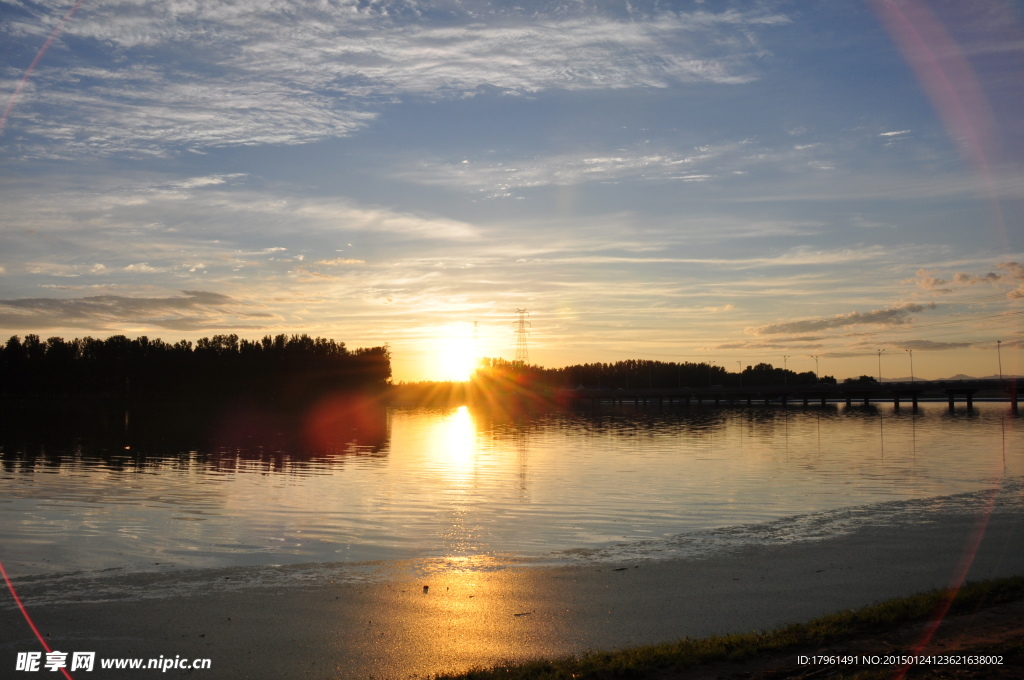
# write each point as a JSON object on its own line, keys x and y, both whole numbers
{"x": 453, "y": 449}
{"x": 463, "y": 612}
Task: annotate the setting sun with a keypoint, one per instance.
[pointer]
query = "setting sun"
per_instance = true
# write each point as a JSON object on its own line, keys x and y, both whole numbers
{"x": 456, "y": 358}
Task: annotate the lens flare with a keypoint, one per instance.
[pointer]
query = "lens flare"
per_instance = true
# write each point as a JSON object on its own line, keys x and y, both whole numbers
{"x": 39, "y": 55}
{"x": 31, "y": 624}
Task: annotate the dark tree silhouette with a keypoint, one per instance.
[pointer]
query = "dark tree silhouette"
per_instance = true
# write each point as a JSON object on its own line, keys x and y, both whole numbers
{"x": 277, "y": 369}
{"x": 637, "y": 374}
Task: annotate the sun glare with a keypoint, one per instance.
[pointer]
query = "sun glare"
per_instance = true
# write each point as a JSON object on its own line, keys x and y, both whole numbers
{"x": 456, "y": 359}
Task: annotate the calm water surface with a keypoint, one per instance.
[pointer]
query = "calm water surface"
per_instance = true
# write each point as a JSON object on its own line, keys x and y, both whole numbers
{"x": 465, "y": 483}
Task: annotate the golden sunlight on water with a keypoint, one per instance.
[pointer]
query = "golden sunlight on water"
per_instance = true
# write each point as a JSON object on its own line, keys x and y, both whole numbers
{"x": 469, "y": 612}
{"x": 452, "y": 454}
{"x": 453, "y": 444}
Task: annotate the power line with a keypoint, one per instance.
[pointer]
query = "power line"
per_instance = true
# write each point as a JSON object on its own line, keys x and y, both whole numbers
{"x": 957, "y": 322}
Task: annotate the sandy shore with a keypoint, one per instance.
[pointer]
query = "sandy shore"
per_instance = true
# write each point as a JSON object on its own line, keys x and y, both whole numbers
{"x": 390, "y": 628}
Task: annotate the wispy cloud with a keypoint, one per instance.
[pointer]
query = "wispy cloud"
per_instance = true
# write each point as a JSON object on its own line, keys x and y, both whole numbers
{"x": 798, "y": 257}
{"x": 1005, "y": 183}
{"x": 891, "y": 316}
{"x": 192, "y": 310}
{"x": 929, "y": 280}
{"x": 798, "y": 343}
{"x": 181, "y": 75}
{"x": 499, "y": 178}
{"x": 338, "y": 261}
{"x": 717, "y": 162}
{"x": 931, "y": 345}
{"x": 198, "y": 207}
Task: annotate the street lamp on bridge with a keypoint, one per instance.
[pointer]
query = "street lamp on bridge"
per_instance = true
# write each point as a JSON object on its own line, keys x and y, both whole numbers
{"x": 999, "y": 353}
{"x": 911, "y": 353}
{"x": 817, "y": 376}
{"x": 880, "y": 366}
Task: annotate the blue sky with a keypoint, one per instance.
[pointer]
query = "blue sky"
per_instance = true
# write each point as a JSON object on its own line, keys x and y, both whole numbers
{"x": 726, "y": 181}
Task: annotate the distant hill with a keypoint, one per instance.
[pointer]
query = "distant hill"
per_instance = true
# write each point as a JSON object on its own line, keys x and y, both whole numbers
{"x": 958, "y": 376}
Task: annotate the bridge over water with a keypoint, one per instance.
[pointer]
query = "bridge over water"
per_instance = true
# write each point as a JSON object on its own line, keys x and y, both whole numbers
{"x": 951, "y": 390}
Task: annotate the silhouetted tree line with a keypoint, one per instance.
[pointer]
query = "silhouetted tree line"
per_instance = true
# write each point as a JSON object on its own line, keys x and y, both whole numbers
{"x": 862, "y": 380}
{"x": 640, "y": 374}
{"x": 276, "y": 369}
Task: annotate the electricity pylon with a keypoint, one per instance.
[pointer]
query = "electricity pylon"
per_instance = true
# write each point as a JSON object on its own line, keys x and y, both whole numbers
{"x": 522, "y": 355}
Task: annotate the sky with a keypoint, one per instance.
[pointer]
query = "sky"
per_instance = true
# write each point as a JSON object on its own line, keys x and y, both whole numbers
{"x": 736, "y": 182}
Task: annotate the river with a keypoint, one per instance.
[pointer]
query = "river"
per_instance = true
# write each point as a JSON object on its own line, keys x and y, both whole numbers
{"x": 542, "y": 486}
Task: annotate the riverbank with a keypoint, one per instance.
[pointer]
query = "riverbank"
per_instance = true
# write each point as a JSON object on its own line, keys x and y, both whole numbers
{"x": 403, "y": 620}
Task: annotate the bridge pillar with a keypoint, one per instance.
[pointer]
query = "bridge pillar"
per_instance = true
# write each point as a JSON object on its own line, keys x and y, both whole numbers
{"x": 823, "y": 400}
{"x": 783, "y": 399}
{"x": 970, "y": 401}
{"x": 867, "y": 399}
{"x": 950, "y": 394}
{"x": 914, "y": 397}
{"x": 750, "y": 399}
{"x": 849, "y": 401}
{"x": 896, "y": 401}
{"x": 806, "y": 399}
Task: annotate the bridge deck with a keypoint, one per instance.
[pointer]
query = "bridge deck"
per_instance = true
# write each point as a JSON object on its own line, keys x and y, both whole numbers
{"x": 822, "y": 393}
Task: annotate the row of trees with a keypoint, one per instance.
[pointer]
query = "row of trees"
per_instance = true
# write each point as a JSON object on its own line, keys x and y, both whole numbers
{"x": 279, "y": 368}
{"x": 641, "y": 374}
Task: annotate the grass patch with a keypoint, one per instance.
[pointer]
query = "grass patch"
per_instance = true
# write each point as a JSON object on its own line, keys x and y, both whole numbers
{"x": 687, "y": 653}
